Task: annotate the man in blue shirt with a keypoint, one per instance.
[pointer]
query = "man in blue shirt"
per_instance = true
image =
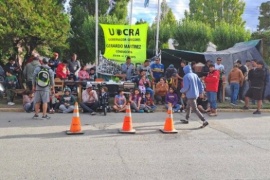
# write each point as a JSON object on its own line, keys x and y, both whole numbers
{"x": 157, "y": 69}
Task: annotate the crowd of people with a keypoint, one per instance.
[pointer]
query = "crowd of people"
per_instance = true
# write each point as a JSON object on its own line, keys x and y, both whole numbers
{"x": 185, "y": 89}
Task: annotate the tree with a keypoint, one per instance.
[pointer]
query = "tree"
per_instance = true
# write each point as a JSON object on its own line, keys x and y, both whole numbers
{"x": 264, "y": 18}
{"x": 265, "y": 36}
{"x": 192, "y": 35}
{"x": 28, "y": 24}
{"x": 213, "y": 12}
{"x": 80, "y": 11}
{"x": 88, "y": 35}
{"x": 226, "y": 35}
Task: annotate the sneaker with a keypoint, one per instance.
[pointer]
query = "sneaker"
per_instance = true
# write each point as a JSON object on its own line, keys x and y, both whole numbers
{"x": 245, "y": 108}
{"x": 46, "y": 117}
{"x": 9, "y": 103}
{"x": 148, "y": 111}
{"x": 233, "y": 104}
{"x": 184, "y": 121}
{"x": 257, "y": 112}
{"x": 241, "y": 101}
{"x": 141, "y": 111}
{"x": 12, "y": 103}
{"x": 35, "y": 116}
{"x": 205, "y": 123}
{"x": 93, "y": 113}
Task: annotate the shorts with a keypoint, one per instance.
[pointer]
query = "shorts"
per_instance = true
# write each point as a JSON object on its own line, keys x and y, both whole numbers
{"x": 254, "y": 93}
{"x": 42, "y": 96}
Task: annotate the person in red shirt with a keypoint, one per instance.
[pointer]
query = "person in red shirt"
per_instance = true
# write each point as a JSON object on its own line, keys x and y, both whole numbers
{"x": 211, "y": 82}
{"x": 62, "y": 71}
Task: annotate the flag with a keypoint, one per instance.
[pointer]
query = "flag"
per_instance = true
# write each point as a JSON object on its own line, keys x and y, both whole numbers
{"x": 111, "y": 6}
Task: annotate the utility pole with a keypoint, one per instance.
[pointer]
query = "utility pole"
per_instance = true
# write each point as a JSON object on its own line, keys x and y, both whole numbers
{"x": 158, "y": 20}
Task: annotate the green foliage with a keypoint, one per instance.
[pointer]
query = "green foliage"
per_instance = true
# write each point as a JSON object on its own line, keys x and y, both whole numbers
{"x": 29, "y": 24}
{"x": 120, "y": 10}
{"x": 226, "y": 35}
{"x": 265, "y": 36}
{"x": 264, "y": 18}
{"x": 88, "y": 35}
{"x": 213, "y": 12}
{"x": 192, "y": 35}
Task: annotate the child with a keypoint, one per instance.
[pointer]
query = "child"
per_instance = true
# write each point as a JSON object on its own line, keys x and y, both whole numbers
{"x": 67, "y": 101}
{"x": 172, "y": 98}
{"x": 92, "y": 74}
{"x": 10, "y": 83}
{"x": 54, "y": 102}
{"x": 144, "y": 85}
{"x": 104, "y": 97}
{"x": 28, "y": 101}
{"x": 83, "y": 74}
{"x": 135, "y": 101}
{"x": 120, "y": 102}
{"x": 202, "y": 104}
{"x": 149, "y": 103}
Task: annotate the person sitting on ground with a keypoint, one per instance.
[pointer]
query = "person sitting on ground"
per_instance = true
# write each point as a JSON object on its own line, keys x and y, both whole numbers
{"x": 144, "y": 86}
{"x": 171, "y": 98}
{"x": 83, "y": 74}
{"x": 89, "y": 100}
{"x": 135, "y": 101}
{"x": 202, "y": 104}
{"x": 120, "y": 102}
{"x": 28, "y": 101}
{"x": 67, "y": 101}
{"x": 10, "y": 84}
{"x": 62, "y": 71}
{"x": 161, "y": 90}
{"x": 149, "y": 103}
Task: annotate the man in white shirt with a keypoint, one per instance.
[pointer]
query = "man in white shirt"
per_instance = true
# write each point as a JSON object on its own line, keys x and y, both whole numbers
{"x": 220, "y": 67}
{"x": 89, "y": 100}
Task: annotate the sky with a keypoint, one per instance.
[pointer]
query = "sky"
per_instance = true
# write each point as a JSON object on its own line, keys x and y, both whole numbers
{"x": 178, "y": 7}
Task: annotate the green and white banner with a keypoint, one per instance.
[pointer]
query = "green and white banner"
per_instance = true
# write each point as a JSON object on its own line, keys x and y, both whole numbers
{"x": 125, "y": 40}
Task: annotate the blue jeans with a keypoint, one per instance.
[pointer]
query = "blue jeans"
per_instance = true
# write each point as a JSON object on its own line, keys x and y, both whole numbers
{"x": 175, "y": 107}
{"x": 212, "y": 99}
{"x": 148, "y": 89}
{"x": 234, "y": 91}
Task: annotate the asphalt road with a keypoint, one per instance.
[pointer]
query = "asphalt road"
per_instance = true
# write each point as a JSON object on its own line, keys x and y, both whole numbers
{"x": 233, "y": 146}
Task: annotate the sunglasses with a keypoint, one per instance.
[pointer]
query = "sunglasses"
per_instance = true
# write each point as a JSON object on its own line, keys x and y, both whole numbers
{"x": 219, "y": 60}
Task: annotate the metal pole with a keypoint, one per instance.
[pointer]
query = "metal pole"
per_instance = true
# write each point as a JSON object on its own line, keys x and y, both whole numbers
{"x": 130, "y": 13}
{"x": 97, "y": 55}
{"x": 158, "y": 20}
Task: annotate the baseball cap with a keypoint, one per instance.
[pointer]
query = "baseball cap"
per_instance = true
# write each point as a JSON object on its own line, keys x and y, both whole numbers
{"x": 45, "y": 60}
{"x": 89, "y": 86}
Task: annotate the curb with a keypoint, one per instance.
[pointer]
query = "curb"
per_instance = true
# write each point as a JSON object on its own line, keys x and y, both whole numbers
{"x": 158, "y": 110}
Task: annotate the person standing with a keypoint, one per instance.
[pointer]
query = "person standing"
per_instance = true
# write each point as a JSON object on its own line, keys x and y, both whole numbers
{"x": 244, "y": 71}
{"x": 235, "y": 79}
{"x": 180, "y": 76}
{"x": 74, "y": 66}
{"x": 157, "y": 69}
{"x": 193, "y": 89}
{"x": 128, "y": 69}
{"x": 10, "y": 84}
{"x": 147, "y": 69}
{"x": 205, "y": 68}
{"x": 211, "y": 85}
{"x": 29, "y": 70}
{"x": 221, "y": 69}
{"x": 53, "y": 62}
{"x": 43, "y": 82}
{"x": 256, "y": 79}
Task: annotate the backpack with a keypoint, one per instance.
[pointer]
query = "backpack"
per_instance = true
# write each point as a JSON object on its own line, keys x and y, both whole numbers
{"x": 43, "y": 77}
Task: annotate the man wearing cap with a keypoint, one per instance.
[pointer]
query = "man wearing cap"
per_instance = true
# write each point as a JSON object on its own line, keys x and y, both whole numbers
{"x": 157, "y": 69}
{"x": 29, "y": 70}
{"x": 147, "y": 69}
{"x": 89, "y": 100}
{"x": 244, "y": 71}
{"x": 256, "y": 79}
{"x": 42, "y": 94}
{"x": 54, "y": 61}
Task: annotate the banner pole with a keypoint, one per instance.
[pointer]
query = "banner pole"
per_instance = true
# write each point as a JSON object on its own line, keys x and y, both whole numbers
{"x": 96, "y": 62}
{"x": 130, "y": 14}
{"x": 158, "y": 20}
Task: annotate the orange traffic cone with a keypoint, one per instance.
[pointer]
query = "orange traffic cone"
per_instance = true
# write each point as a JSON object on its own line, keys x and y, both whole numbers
{"x": 169, "y": 126}
{"x": 127, "y": 123}
{"x": 75, "y": 126}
